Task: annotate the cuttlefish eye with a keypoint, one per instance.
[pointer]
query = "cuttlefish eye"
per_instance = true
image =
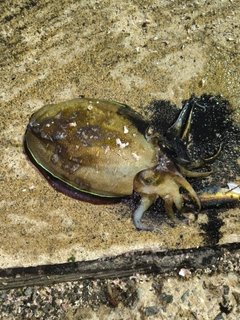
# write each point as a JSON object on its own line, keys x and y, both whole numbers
{"x": 149, "y": 177}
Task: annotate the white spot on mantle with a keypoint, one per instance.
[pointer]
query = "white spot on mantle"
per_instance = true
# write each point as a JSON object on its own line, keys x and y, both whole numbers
{"x": 121, "y": 144}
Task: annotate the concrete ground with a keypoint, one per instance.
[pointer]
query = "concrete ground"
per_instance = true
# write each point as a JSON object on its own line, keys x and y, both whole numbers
{"x": 133, "y": 52}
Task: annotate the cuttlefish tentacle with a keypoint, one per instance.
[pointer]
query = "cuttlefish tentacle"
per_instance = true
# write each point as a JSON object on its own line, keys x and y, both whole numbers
{"x": 195, "y": 164}
{"x": 181, "y": 127}
{"x": 179, "y": 135}
{"x": 163, "y": 181}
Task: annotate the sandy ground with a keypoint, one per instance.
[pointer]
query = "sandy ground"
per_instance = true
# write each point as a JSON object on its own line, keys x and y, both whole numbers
{"x": 133, "y": 52}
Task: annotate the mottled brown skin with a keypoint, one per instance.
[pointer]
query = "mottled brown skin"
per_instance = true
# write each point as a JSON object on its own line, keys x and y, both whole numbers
{"x": 76, "y": 142}
{"x": 99, "y": 147}
{"x": 69, "y": 191}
